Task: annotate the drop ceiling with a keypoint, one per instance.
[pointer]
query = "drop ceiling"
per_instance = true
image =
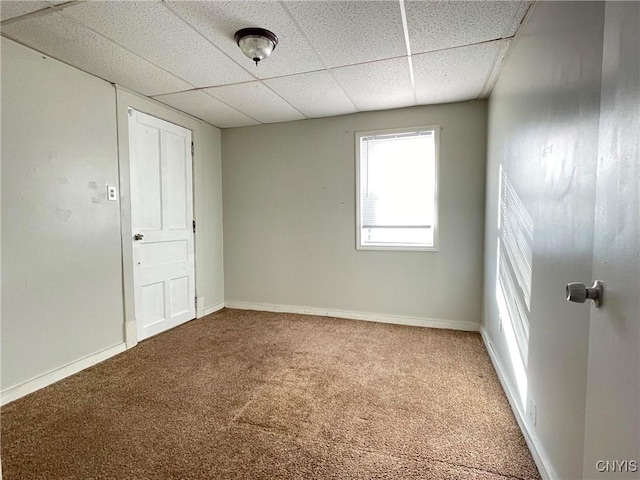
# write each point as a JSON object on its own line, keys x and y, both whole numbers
{"x": 333, "y": 57}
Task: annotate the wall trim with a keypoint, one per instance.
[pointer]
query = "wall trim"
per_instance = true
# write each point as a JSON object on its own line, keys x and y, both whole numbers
{"x": 17, "y": 391}
{"x": 533, "y": 442}
{"x": 213, "y": 308}
{"x": 130, "y": 335}
{"x": 352, "y": 315}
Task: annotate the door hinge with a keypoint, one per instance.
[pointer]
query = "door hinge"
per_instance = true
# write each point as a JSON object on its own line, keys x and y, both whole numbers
{"x": 194, "y": 226}
{"x": 195, "y": 302}
{"x": 192, "y": 149}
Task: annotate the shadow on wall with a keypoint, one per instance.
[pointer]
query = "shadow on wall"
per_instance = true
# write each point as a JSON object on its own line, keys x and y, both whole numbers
{"x": 514, "y": 278}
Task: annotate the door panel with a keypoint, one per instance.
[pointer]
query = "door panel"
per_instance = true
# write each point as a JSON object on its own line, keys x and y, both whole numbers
{"x": 153, "y": 300}
{"x": 146, "y": 170}
{"x": 180, "y": 299}
{"x": 177, "y": 212}
{"x": 164, "y": 253}
{"x": 162, "y": 213}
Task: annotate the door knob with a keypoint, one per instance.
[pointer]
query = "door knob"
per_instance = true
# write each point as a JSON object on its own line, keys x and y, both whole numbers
{"x": 138, "y": 236}
{"x": 579, "y": 293}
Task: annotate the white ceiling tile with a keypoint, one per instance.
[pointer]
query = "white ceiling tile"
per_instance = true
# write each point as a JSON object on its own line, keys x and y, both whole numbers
{"x": 219, "y": 20}
{"x": 315, "y": 94}
{"x": 351, "y": 32}
{"x": 523, "y": 7}
{"x": 66, "y": 40}
{"x": 257, "y": 101}
{"x": 207, "y": 108}
{"x": 378, "y": 85}
{"x": 16, "y": 8}
{"x": 153, "y": 32}
{"x": 454, "y": 75}
{"x": 436, "y": 25}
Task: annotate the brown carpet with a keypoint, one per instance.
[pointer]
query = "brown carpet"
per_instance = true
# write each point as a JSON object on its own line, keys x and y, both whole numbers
{"x": 254, "y": 395}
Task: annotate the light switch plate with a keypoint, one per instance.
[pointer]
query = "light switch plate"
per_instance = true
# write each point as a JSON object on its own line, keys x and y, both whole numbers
{"x": 112, "y": 194}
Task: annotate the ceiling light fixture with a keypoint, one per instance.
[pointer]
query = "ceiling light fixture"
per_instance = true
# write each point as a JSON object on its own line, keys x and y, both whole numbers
{"x": 256, "y": 43}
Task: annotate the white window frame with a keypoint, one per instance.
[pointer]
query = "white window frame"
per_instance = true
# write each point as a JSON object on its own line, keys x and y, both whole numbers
{"x": 399, "y": 247}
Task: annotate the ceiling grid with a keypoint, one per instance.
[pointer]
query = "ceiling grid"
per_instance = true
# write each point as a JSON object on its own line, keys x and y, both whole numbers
{"x": 405, "y": 29}
{"x": 355, "y": 109}
{"x": 334, "y": 57}
{"x": 175, "y": 11}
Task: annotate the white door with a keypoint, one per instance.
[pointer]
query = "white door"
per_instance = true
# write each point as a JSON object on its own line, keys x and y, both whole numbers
{"x": 612, "y": 423}
{"x": 162, "y": 223}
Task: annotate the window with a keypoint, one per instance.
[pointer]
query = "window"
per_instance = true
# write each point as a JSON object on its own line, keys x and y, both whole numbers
{"x": 397, "y": 189}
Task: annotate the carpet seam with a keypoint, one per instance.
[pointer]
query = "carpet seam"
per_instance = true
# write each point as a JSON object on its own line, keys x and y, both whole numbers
{"x": 252, "y": 398}
{"x": 443, "y": 462}
{"x": 250, "y": 425}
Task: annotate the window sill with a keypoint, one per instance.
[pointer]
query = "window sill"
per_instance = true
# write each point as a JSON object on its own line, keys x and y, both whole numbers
{"x": 397, "y": 248}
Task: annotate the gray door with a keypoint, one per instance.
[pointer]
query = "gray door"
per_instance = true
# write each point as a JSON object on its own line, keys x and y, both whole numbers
{"x": 612, "y": 426}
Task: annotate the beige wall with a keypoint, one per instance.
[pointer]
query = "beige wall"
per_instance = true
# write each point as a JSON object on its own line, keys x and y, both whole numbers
{"x": 543, "y": 132}
{"x": 62, "y": 275}
{"x": 289, "y": 210}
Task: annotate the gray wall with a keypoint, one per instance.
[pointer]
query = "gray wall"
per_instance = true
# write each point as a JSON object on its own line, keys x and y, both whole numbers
{"x": 289, "y": 210}
{"x": 543, "y": 132}
{"x": 62, "y": 275}
{"x": 0, "y": 293}
{"x": 208, "y": 210}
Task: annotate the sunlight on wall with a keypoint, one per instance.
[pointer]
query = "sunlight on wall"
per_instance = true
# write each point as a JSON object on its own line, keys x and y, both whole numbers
{"x": 512, "y": 345}
{"x": 514, "y": 278}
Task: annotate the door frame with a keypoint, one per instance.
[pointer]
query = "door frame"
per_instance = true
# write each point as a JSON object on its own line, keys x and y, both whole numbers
{"x": 126, "y": 99}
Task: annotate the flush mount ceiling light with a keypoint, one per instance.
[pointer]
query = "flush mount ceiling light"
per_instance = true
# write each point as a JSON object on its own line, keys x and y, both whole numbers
{"x": 256, "y": 43}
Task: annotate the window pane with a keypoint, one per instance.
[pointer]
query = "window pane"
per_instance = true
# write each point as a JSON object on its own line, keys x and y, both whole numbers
{"x": 397, "y": 188}
{"x": 397, "y": 236}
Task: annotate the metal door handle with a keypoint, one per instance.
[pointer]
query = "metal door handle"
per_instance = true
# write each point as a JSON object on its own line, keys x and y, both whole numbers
{"x": 138, "y": 236}
{"x": 579, "y": 293}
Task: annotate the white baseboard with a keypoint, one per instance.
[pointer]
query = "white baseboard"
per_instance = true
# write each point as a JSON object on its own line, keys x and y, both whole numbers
{"x": 530, "y": 436}
{"x": 46, "y": 379}
{"x": 213, "y": 308}
{"x": 370, "y": 317}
